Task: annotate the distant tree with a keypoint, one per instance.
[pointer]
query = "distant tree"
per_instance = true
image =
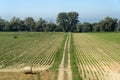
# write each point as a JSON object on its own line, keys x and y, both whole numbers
{"x": 51, "y": 26}
{"x": 96, "y": 27}
{"x": 73, "y": 20}
{"x": 22, "y": 25}
{"x": 40, "y": 25}
{"x": 87, "y": 27}
{"x": 68, "y": 21}
{"x": 62, "y": 20}
{"x": 79, "y": 27}
{"x": 58, "y": 28}
{"x": 29, "y": 24}
{"x": 15, "y": 24}
{"x": 7, "y": 26}
{"x": 2, "y": 24}
{"x": 108, "y": 24}
{"x": 118, "y": 26}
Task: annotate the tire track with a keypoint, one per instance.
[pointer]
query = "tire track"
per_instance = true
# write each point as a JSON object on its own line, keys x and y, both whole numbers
{"x": 65, "y": 72}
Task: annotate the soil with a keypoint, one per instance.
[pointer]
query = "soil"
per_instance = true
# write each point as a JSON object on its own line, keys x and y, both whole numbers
{"x": 44, "y": 75}
{"x": 65, "y": 72}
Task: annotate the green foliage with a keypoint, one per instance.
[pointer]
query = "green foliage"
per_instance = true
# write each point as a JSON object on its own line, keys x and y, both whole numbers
{"x": 108, "y": 24}
{"x": 118, "y": 27}
{"x": 79, "y": 27}
{"x": 68, "y": 21}
{"x": 51, "y": 27}
{"x": 2, "y": 24}
{"x": 87, "y": 27}
{"x": 29, "y": 24}
{"x": 40, "y": 25}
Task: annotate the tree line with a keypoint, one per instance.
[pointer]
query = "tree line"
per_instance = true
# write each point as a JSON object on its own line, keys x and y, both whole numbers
{"x": 66, "y": 22}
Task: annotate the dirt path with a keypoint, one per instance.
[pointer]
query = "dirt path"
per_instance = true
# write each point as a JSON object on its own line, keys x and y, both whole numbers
{"x": 65, "y": 72}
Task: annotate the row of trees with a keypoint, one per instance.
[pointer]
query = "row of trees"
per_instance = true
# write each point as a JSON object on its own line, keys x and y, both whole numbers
{"x": 29, "y": 24}
{"x": 106, "y": 25}
{"x": 67, "y": 22}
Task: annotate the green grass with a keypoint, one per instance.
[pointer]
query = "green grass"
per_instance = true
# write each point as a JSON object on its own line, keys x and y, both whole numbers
{"x": 73, "y": 58}
{"x": 59, "y": 54}
{"x": 110, "y": 36}
{"x": 32, "y": 48}
{"x": 29, "y": 48}
{"x": 111, "y": 39}
{"x": 58, "y": 57}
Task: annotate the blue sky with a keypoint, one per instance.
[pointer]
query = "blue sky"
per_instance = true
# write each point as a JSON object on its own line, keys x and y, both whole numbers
{"x": 89, "y": 10}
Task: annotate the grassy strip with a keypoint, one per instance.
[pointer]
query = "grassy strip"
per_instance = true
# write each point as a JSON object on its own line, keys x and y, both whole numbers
{"x": 73, "y": 63}
{"x": 66, "y": 54}
{"x": 58, "y": 57}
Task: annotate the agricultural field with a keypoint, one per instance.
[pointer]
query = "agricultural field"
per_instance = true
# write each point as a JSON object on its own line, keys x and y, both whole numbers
{"x": 97, "y": 55}
{"x": 60, "y": 56}
{"x": 20, "y": 49}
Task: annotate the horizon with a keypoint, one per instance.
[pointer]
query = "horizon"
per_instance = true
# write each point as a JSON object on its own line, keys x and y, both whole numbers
{"x": 89, "y": 11}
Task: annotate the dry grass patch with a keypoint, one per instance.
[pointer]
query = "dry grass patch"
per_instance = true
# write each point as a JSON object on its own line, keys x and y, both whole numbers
{"x": 44, "y": 75}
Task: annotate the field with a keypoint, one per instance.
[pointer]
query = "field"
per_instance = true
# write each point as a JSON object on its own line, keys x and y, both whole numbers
{"x": 97, "y": 55}
{"x": 20, "y": 49}
{"x": 60, "y": 56}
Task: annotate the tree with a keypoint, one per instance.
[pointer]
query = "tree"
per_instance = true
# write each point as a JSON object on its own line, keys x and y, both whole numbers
{"x": 68, "y": 21}
{"x": 22, "y": 26}
{"x": 51, "y": 26}
{"x": 96, "y": 27}
{"x": 2, "y": 24}
{"x": 58, "y": 28}
{"x": 73, "y": 20}
{"x": 15, "y": 24}
{"x": 79, "y": 27}
{"x": 108, "y": 24}
{"x": 29, "y": 24}
{"x": 118, "y": 26}
{"x": 7, "y": 26}
{"x": 87, "y": 27}
{"x": 40, "y": 25}
{"x": 62, "y": 21}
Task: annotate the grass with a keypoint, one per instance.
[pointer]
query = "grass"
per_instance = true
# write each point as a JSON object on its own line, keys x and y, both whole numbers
{"x": 110, "y": 36}
{"x": 73, "y": 58}
{"x": 36, "y": 48}
{"x": 59, "y": 54}
{"x": 29, "y": 48}
{"x": 16, "y": 76}
{"x": 112, "y": 40}
{"x": 58, "y": 57}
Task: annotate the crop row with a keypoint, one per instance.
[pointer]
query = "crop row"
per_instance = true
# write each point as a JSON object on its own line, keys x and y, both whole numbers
{"x": 37, "y": 50}
{"x": 95, "y": 58}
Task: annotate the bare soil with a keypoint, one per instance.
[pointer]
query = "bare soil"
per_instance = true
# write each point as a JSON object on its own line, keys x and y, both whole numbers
{"x": 44, "y": 75}
{"x": 65, "y": 72}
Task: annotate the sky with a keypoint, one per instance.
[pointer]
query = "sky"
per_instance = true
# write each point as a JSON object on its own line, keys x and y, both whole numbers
{"x": 89, "y": 10}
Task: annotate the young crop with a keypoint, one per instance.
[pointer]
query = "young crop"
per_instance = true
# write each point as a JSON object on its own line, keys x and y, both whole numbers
{"x": 95, "y": 57}
{"x": 34, "y": 49}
